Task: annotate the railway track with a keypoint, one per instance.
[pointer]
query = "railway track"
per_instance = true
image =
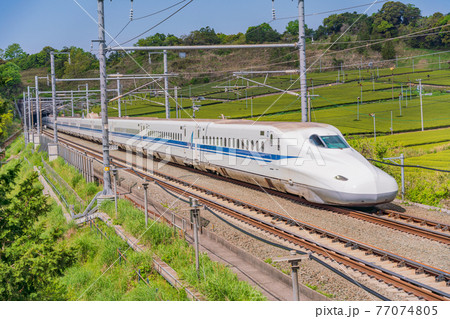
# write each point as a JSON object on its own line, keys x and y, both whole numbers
{"x": 387, "y": 218}
{"x": 414, "y": 277}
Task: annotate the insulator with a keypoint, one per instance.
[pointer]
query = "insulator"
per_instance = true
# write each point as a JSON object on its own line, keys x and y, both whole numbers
{"x": 131, "y": 14}
{"x": 273, "y": 10}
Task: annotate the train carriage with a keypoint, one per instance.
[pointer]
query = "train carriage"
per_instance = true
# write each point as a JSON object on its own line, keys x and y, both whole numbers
{"x": 311, "y": 160}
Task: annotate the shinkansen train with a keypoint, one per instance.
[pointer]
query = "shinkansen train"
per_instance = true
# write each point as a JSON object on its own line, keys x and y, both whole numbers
{"x": 311, "y": 160}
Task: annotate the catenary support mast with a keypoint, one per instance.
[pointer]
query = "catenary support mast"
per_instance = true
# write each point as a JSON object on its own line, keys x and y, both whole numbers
{"x": 302, "y": 57}
{"x": 103, "y": 99}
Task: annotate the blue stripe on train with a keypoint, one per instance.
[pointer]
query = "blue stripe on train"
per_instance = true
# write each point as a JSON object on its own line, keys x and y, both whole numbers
{"x": 258, "y": 156}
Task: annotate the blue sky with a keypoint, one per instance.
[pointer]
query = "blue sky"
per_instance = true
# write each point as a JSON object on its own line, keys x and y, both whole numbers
{"x": 38, "y": 23}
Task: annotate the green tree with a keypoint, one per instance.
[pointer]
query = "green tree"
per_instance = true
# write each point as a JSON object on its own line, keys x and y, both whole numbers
{"x": 393, "y": 14}
{"x": 388, "y": 51}
{"x": 14, "y": 51}
{"x": 292, "y": 31}
{"x": 32, "y": 257}
{"x": 10, "y": 79}
{"x": 203, "y": 36}
{"x": 81, "y": 62}
{"x": 262, "y": 33}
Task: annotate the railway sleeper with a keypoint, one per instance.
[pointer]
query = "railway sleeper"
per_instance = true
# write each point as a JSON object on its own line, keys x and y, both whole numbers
{"x": 369, "y": 252}
{"x": 401, "y": 264}
{"x": 440, "y": 278}
{"x": 419, "y": 271}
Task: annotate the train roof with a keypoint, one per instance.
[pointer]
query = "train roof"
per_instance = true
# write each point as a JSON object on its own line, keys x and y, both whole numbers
{"x": 282, "y": 126}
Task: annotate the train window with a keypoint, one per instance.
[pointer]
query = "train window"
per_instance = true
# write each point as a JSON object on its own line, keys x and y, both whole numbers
{"x": 246, "y": 144}
{"x": 261, "y": 133}
{"x": 221, "y": 142}
{"x": 262, "y": 146}
{"x": 334, "y": 141}
{"x": 315, "y": 139}
{"x": 237, "y": 143}
{"x": 253, "y": 146}
{"x": 279, "y": 144}
{"x": 225, "y": 142}
{"x": 271, "y": 139}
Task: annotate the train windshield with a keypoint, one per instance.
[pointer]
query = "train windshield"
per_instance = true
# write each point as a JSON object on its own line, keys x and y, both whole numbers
{"x": 329, "y": 141}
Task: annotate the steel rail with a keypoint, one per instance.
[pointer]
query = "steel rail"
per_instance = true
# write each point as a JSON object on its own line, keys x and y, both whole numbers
{"x": 398, "y": 280}
{"x": 441, "y": 232}
{"x": 442, "y": 235}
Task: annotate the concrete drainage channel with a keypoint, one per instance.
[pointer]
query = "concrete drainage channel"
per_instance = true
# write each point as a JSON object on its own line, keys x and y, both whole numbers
{"x": 261, "y": 275}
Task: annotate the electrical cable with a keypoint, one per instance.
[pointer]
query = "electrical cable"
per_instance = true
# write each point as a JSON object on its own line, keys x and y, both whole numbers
{"x": 162, "y": 21}
{"x": 126, "y": 25}
{"x": 412, "y": 166}
{"x": 155, "y": 13}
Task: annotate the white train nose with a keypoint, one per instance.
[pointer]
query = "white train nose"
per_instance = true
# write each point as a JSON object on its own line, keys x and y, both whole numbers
{"x": 375, "y": 188}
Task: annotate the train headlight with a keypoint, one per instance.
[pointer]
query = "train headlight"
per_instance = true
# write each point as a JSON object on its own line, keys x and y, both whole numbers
{"x": 341, "y": 178}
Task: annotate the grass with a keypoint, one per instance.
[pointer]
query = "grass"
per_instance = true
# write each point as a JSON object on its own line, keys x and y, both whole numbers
{"x": 435, "y": 110}
{"x": 216, "y": 281}
{"x": 15, "y": 148}
{"x": 89, "y": 278}
{"x": 76, "y": 180}
{"x": 428, "y": 148}
{"x": 100, "y": 276}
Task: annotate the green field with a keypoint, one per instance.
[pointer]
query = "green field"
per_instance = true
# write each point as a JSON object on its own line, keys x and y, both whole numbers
{"x": 429, "y": 148}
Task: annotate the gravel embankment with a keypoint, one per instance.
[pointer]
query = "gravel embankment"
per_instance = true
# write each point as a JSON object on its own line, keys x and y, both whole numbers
{"x": 311, "y": 273}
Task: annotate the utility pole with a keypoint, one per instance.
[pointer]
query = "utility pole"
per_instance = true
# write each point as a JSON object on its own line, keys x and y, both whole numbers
{"x": 374, "y": 127}
{"x": 166, "y": 86}
{"x": 87, "y": 98}
{"x": 55, "y": 122}
{"x": 119, "y": 101}
{"x": 25, "y": 126}
{"x": 30, "y": 123}
{"x": 176, "y": 101}
{"x": 71, "y": 102}
{"x": 103, "y": 99}
{"x": 195, "y": 218}
{"x": 302, "y": 57}
{"x": 421, "y": 108}
{"x": 145, "y": 185}
{"x": 38, "y": 113}
{"x": 309, "y": 105}
{"x": 392, "y": 123}
{"x": 357, "y": 108}
{"x": 361, "y": 93}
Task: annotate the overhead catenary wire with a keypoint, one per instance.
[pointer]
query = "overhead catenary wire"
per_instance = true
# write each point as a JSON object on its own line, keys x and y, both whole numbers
{"x": 157, "y": 12}
{"x": 159, "y": 23}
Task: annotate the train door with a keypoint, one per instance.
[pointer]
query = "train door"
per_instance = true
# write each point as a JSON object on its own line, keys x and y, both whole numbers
{"x": 187, "y": 139}
{"x": 196, "y": 140}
